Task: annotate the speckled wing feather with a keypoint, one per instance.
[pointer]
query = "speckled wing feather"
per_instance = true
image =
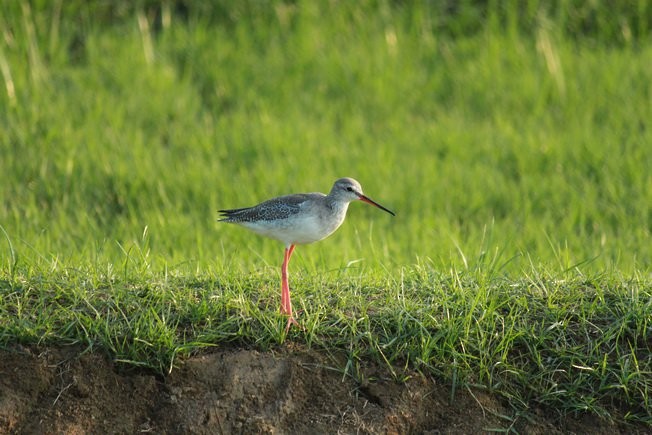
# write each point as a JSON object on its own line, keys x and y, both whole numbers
{"x": 270, "y": 210}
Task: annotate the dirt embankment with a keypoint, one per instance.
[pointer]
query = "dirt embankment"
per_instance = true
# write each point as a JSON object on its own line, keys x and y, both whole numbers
{"x": 291, "y": 390}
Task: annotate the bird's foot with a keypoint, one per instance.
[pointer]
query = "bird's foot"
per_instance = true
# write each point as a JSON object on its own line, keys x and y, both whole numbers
{"x": 292, "y": 321}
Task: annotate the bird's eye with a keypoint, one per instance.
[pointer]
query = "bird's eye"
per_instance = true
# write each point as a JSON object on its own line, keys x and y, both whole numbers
{"x": 349, "y": 189}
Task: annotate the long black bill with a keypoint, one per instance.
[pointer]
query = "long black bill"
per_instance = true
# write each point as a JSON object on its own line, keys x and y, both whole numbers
{"x": 372, "y": 202}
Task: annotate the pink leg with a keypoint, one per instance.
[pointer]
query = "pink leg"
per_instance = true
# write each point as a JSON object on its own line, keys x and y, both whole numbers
{"x": 286, "y": 303}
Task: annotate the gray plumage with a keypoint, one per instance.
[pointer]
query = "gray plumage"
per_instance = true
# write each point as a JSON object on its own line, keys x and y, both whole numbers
{"x": 272, "y": 209}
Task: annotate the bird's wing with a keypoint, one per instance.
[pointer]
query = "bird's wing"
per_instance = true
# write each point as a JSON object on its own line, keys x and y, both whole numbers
{"x": 273, "y": 209}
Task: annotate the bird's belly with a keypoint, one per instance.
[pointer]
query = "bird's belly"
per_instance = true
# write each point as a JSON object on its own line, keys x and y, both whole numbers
{"x": 295, "y": 230}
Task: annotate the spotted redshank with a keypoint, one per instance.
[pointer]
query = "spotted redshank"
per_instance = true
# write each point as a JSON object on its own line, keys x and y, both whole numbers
{"x": 297, "y": 220}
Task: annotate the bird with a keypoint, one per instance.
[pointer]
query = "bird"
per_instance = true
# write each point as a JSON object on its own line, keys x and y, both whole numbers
{"x": 299, "y": 219}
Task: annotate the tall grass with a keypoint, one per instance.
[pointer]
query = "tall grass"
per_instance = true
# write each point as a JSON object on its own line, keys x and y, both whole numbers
{"x": 534, "y": 139}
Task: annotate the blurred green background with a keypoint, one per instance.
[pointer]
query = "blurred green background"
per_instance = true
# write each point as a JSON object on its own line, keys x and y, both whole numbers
{"x": 504, "y": 134}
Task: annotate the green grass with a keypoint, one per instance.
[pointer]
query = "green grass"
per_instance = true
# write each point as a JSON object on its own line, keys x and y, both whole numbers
{"x": 516, "y": 157}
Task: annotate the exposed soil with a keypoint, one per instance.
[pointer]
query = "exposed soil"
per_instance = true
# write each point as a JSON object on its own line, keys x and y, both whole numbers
{"x": 291, "y": 390}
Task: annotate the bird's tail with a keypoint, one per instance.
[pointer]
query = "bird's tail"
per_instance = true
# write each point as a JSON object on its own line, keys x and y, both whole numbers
{"x": 231, "y": 215}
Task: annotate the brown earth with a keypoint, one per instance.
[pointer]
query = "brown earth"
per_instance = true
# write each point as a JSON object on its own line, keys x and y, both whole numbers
{"x": 291, "y": 390}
